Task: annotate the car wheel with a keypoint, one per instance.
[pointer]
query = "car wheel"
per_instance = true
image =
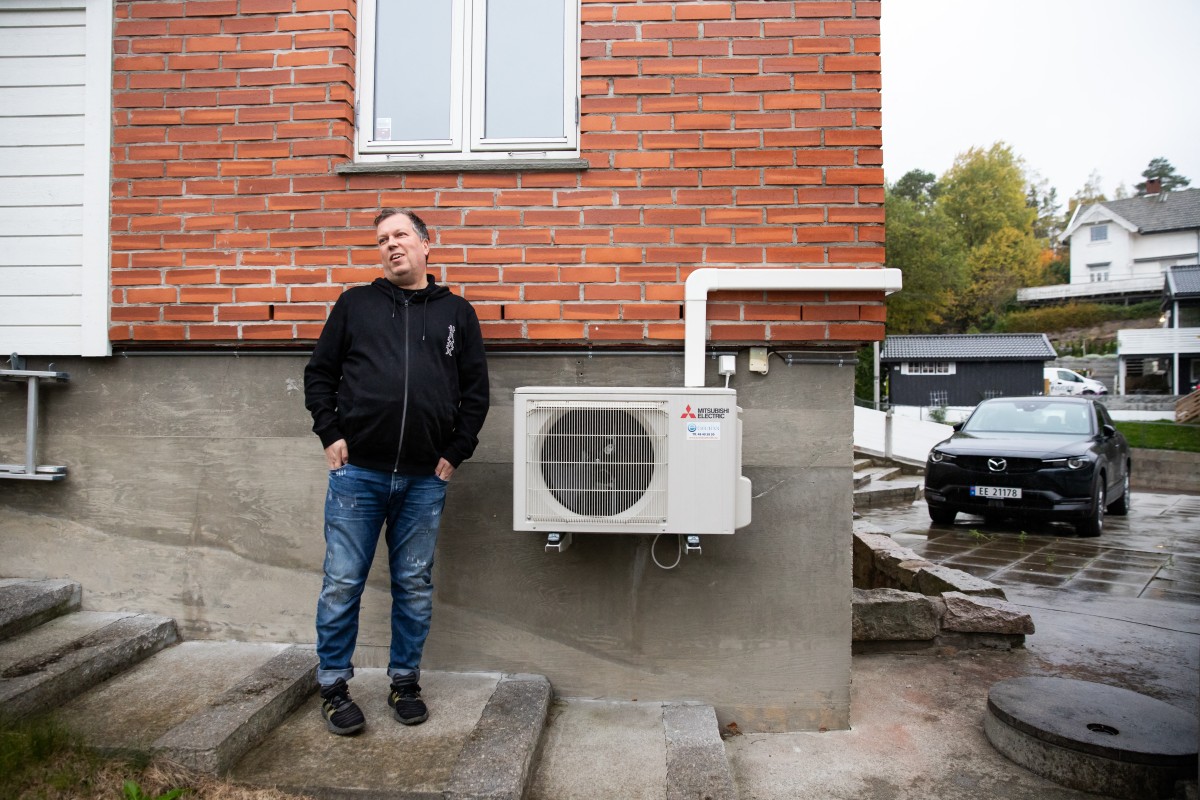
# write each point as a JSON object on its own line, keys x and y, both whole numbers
{"x": 1088, "y": 391}
{"x": 942, "y": 515}
{"x": 1093, "y": 523}
{"x": 1120, "y": 506}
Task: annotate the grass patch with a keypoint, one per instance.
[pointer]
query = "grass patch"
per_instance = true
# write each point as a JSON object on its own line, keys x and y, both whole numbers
{"x": 39, "y": 760}
{"x": 1161, "y": 435}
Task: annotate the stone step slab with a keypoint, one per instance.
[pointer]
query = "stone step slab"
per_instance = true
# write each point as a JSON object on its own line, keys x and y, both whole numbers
{"x": 480, "y": 740}
{"x": 893, "y": 492}
{"x": 25, "y": 604}
{"x": 170, "y": 695}
{"x": 212, "y": 740}
{"x": 600, "y": 749}
{"x": 59, "y": 660}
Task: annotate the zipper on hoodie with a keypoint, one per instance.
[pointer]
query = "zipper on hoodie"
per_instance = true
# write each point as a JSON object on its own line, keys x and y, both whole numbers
{"x": 404, "y": 405}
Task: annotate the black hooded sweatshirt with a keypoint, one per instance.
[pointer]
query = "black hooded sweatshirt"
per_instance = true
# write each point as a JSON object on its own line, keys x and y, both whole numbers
{"x": 401, "y": 376}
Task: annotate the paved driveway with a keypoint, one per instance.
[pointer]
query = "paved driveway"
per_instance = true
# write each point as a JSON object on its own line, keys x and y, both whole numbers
{"x": 1120, "y": 610}
{"x": 1153, "y": 553}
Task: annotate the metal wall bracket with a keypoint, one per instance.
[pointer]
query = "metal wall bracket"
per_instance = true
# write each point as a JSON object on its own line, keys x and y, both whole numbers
{"x": 31, "y": 470}
{"x": 557, "y": 542}
{"x": 691, "y": 545}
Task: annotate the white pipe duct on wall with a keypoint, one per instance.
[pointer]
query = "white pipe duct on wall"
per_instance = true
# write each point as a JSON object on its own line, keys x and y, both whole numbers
{"x": 712, "y": 279}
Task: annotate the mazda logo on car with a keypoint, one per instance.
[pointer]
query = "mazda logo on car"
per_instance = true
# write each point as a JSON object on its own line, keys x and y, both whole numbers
{"x": 997, "y": 464}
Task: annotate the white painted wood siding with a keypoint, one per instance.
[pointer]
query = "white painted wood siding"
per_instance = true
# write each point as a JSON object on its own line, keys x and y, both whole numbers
{"x": 55, "y": 100}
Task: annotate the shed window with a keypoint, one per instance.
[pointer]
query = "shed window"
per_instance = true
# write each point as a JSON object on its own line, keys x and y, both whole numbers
{"x": 927, "y": 368}
{"x": 468, "y": 79}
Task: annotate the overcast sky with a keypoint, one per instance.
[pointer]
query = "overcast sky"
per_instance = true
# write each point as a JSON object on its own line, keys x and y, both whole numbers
{"x": 1072, "y": 85}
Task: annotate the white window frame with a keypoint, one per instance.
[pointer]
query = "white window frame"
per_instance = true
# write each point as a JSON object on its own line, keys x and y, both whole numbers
{"x": 1098, "y": 233}
{"x": 1098, "y": 273}
{"x": 928, "y": 368}
{"x": 468, "y": 61}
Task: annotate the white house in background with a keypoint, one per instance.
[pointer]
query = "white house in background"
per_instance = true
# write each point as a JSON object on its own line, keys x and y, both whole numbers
{"x": 1122, "y": 249}
{"x": 1165, "y": 359}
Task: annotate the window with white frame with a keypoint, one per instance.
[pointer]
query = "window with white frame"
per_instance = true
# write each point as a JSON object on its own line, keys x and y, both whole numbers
{"x": 1099, "y": 233}
{"x": 1098, "y": 273}
{"x": 468, "y": 79}
{"x": 927, "y": 368}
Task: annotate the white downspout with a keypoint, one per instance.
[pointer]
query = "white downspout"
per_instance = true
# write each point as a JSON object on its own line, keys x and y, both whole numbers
{"x": 712, "y": 279}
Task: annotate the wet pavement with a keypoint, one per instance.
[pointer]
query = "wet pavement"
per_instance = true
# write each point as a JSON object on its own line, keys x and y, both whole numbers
{"x": 1122, "y": 609}
{"x": 1152, "y": 553}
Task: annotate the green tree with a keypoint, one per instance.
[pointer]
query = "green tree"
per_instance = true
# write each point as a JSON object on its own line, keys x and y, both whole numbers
{"x": 917, "y": 185}
{"x": 985, "y": 195}
{"x": 1090, "y": 193}
{"x": 1161, "y": 168}
{"x": 984, "y": 192}
{"x": 1043, "y": 199}
{"x": 923, "y": 243}
{"x": 1007, "y": 261}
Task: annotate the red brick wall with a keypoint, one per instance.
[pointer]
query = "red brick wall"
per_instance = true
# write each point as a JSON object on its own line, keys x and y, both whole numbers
{"x": 720, "y": 134}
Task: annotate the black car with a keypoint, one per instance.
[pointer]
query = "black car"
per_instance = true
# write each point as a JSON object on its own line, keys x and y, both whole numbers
{"x": 1049, "y": 458}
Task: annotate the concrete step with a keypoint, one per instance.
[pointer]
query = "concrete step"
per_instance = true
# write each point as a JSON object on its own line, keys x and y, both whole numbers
{"x": 899, "y": 491}
{"x": 480, "y": 742}
{"x": 25, "y": 604}
{"x": 597, "y": 750}
{"x": 200, "y": 704}
{"x": 43, "y": 668}
{"x": 863, "y": 463}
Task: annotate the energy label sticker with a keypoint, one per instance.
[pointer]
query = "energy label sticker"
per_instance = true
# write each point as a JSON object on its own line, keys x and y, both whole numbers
{"x": 703, "y": 430}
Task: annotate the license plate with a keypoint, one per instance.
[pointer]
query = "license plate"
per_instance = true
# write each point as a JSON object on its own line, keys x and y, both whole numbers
{"x": 996, "y": 491}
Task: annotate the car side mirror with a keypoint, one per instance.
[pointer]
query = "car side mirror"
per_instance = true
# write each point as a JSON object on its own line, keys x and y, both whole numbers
{"x": 957, "y": 426}
{"x": 1109, "y": 431}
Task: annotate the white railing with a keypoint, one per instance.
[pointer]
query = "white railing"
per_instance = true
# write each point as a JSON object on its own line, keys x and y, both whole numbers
{"x": 1158, "y": 341}
{"x": 1067, "y": 291}
{"x": 900, "y": 438}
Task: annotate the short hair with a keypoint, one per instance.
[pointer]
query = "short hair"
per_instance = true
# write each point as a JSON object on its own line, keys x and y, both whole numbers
{"x": 417, "y": 223}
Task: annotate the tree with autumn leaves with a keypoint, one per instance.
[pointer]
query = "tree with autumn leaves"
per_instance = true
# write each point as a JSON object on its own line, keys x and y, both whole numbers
{"x": 968, "y": 240}
{"x": 965, "y": 242}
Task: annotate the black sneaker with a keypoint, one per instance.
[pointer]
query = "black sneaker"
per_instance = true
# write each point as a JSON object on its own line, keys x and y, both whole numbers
{"x": 405, "y": 700}
{"x": 341, "y": 714}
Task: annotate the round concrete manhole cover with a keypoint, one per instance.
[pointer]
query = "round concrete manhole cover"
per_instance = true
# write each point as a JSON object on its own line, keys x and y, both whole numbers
{"x": 1094, "y": 737}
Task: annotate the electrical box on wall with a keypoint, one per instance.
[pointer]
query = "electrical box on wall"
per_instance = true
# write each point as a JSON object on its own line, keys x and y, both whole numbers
{"x": 628, "y": 460}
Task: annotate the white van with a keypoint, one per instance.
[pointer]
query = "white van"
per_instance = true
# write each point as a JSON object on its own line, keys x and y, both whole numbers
{"x": 1065, "y": 381}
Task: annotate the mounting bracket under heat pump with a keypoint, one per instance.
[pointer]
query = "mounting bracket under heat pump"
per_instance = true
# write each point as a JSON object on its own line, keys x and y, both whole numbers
{"x": 628, "y": 460}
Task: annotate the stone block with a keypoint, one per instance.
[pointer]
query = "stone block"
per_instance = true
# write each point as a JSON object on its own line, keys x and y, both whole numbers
{"x": 936, "y": 579}
{"x": 974, "y": 614}
{"x": 893, "y": 615}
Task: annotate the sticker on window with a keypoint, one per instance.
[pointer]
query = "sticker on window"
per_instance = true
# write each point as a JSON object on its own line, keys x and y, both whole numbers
{"x": 383, "y": 129}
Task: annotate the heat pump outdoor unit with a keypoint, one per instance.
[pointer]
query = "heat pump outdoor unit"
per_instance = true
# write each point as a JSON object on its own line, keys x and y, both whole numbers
{"x": 628, "y": 460}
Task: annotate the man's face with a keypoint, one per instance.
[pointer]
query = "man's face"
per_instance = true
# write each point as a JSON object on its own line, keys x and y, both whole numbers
{"x": 402, "y": 251}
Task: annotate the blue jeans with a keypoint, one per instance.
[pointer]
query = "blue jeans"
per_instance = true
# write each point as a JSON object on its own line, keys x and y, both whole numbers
{"x": 359, "y": 503}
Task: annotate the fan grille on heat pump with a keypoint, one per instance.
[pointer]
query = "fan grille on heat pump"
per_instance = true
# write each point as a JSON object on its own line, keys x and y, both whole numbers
{"x": 601, "y": 462}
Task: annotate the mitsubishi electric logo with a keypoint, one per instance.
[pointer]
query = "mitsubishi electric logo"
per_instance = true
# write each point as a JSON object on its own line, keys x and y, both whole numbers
{"x": 704, "y": 412}
{"x": 997, "y": 464}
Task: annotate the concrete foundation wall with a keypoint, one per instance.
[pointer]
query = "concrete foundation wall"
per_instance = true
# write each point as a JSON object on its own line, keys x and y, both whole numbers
{"x": 196, "y": 490}
{"x": 1165, "y": 471}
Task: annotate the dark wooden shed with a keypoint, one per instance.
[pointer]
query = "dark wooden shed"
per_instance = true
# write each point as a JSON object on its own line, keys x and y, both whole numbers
{"x": 963, "y": 369}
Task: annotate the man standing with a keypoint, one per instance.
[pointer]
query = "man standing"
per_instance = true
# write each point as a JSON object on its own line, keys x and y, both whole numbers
{"x": 398, "y": 390}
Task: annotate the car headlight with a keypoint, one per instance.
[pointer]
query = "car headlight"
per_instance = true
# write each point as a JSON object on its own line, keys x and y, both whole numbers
{"x": 937, "y": 456}
{"x": 1074, "y": 462}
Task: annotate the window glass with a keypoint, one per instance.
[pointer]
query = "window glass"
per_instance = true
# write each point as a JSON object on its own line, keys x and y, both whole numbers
{"x": 412, "y": 71}
{"x": 525, "y": 82}
{"x": 1099, "y": 233}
